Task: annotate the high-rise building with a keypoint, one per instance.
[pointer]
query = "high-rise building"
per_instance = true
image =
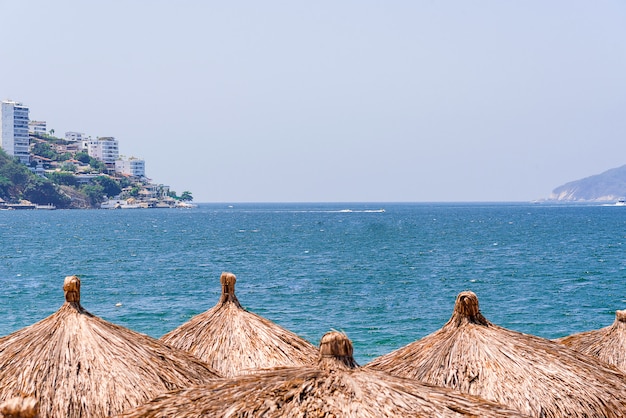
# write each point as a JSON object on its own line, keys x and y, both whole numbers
{"x": 14, "y": 130}
{"x": 105, "y": 149}
{"x": 132, "y": 167}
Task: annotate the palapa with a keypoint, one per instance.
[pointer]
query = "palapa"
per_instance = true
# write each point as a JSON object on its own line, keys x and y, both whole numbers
{"x": 608, "y": 343}
{"x": 19, "y": 407}
{"x": 78, "y": 365}
{"x": 235, "y": 341}
{"x": 335, "y": 387}
{"x": 534, "y": 375}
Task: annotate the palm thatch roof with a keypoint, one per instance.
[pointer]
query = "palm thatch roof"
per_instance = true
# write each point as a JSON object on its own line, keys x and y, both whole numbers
{"x": 78, "y": 365}
{"x": 608, "y": 343}
{"x": 534, "y": 375}
{"x": 19, "y": 408}
{"x": 234, "y": 341}
{"x": 335, "y": 387}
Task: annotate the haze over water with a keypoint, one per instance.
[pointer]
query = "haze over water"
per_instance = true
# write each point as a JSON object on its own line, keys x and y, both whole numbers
{"x": 385, "y": 277}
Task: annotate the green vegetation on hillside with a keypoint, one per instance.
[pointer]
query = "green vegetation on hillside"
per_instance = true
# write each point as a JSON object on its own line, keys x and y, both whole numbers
{"x": 17, "y": 183}
{"x": 70, "y": 178}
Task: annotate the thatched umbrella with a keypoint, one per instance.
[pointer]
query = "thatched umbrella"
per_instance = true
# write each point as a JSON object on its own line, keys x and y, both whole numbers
{"x": 608, "y": 344}
{"x": 78, "y": 365}
{"x": 534, "y": 375}
{"x": 334, "y": 388}
{"x": 19, "y": 408}
{"x": 235, "y": 341}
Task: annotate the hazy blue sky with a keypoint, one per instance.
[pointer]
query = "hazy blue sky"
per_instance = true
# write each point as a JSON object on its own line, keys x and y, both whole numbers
{"x": 332, "y": 100}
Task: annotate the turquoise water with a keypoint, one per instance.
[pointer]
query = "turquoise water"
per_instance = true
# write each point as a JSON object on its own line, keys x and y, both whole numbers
{"x": 386, "y": 278}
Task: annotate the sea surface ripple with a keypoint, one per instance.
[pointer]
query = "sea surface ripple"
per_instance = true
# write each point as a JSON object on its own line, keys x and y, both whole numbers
{"x": 385, "y": 273}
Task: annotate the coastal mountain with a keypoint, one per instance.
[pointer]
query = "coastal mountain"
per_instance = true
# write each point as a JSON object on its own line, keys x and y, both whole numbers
{"x": 607, "y": 186}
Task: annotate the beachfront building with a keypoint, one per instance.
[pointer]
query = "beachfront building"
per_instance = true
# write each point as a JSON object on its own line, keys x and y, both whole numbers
{"x": 131, "y": 167}
{"x": 154, "y": 191}
{"x": 105, "y": 149}
{"x": 37, "y": 127}
{"x": 14, "y": 130}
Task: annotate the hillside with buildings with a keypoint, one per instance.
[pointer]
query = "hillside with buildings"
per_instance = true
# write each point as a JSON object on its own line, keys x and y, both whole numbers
{"x": 76, "y": 171}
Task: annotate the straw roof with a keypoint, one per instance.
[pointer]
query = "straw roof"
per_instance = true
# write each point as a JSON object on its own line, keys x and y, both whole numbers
{"x": 19, "y": 407}
{"x": 608, "y": 344}
{"x": 234, "y": 341}
{"x": 536, "y": 376}
{"x": 78, "y": 365}
{"x": 335, "y": 387}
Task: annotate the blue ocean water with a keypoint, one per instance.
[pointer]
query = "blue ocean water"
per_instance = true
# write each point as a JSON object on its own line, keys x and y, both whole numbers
{"x": 385, "y": 273}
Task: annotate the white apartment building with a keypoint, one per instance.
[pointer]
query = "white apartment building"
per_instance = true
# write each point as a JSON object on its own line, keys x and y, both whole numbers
{"x": 154, "y": 191}
{"x": 105, "y": 149}
{"x": 37, "y": 127}
{"x": 14, "y": 130}
{"x": 132, "y": 167}
{"x": 75, "y": 136}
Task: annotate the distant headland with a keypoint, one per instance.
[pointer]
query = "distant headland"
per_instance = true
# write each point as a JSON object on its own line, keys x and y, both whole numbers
{"x": 608, "y": 186}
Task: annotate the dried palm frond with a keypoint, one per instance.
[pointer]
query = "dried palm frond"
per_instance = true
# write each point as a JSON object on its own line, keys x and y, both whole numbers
{"x": 235, "y": 341}
{"x": 78, "y": 365}
{"x": 608, "y": 343}
{"x": 533, "y": 375}
{"x": 334, "y": 388}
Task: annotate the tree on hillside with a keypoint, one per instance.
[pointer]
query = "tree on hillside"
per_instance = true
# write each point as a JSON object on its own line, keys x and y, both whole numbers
{"x": 63, "y": 178}
{"x": 15, "y": 175}
{"x": 44, "y": 150}
{"x": 5, "y": 184}
{"x": 43, "y": 192}
{"x": 97, "y": 165}
{"x": 186, "y": 196}
{"x": 124, "y": 182}
{"x": 63, "y": 157}
{"x": 134, "y": 192}
{"x": 83, "y": 157}
{"x": 68, "y": 167}
{"x": 109, "y": 186}
{"x": 95, "y": 194}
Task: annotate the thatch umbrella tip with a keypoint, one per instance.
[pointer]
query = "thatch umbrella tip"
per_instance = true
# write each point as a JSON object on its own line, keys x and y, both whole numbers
{"x": 466, "y": 308}
{"x": 620, "y": 316}
{"x": 71, "y": 286}
{"x": 228, "y": 281}
{"x": 337, "y": 346}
